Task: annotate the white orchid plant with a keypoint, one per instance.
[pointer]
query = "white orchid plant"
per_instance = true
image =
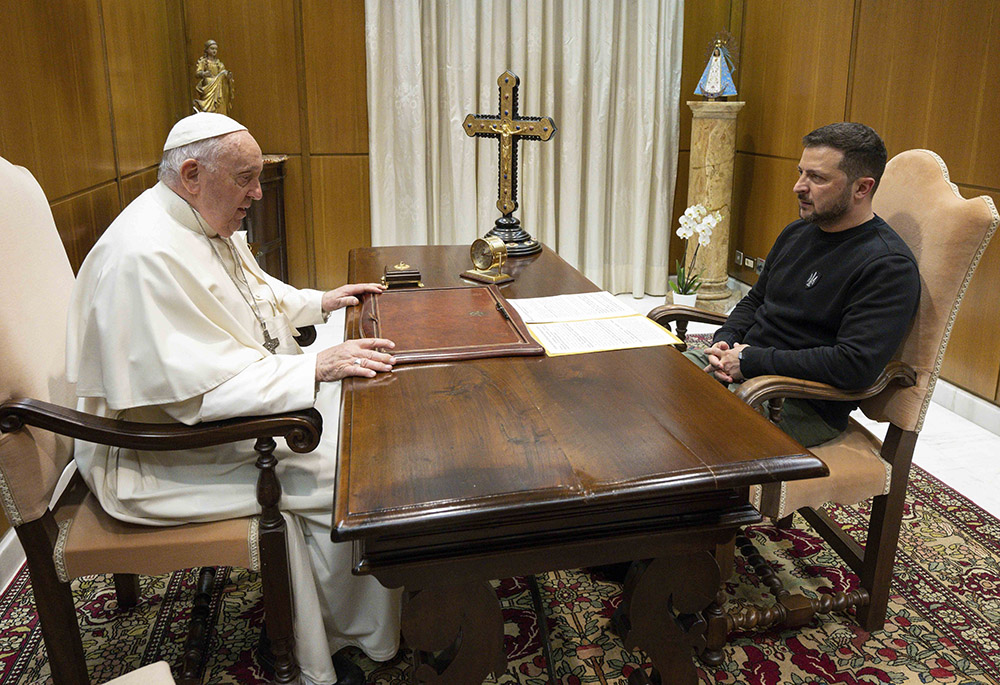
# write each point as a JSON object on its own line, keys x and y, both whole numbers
{"x": 696, "y": 219}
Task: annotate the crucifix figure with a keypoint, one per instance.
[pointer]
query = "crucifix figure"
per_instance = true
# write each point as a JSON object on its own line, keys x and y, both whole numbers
{"x": 509, "y": 128}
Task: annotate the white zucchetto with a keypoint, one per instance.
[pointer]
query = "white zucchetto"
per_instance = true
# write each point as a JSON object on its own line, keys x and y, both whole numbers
{"x": 200, "y": 126}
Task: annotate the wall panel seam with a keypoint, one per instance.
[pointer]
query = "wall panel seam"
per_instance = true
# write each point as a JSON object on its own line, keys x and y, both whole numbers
{"x": 304, "y": 142}
{"x": 852, "y": 60}
{"x": 85, "y": 191}
{"x": 111, "y": 107}
{"x": 140, "y": 172}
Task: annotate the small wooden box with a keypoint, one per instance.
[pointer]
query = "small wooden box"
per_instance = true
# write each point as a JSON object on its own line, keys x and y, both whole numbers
{"x": 401, "y": 276}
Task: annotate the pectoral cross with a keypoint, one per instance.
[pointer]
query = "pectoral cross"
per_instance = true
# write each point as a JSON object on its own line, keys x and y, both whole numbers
{"x": 270, "y": 344}
{"x": 509, "y": 128}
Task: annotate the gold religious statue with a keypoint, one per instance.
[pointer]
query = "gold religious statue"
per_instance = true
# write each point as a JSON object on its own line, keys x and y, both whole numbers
{"x": 509, "y": 127}
{"x": 215, "y": 83}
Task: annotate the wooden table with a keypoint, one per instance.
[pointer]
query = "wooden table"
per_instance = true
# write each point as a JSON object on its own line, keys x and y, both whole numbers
{"x": 452, "y": 474}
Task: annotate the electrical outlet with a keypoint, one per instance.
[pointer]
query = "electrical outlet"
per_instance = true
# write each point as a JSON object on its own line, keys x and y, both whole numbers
{"x": 748, "y": 262}
{"x": 759, "y": 266}
{"x": 739, "y": 258}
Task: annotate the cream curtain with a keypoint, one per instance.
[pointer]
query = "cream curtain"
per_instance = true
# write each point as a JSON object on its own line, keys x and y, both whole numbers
{"x": 600, "y": 192}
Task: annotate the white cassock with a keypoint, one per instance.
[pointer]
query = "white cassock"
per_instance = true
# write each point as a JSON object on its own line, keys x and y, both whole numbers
{"x": 159, "y": 331}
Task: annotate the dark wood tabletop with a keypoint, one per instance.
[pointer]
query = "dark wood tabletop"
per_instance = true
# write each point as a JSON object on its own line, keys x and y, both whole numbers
{"x": 454, "y": 473}
{"x": 452, "y": 447}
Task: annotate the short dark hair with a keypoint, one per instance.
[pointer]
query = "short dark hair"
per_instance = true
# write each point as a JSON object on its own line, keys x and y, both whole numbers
{"x": 863, "y": 150}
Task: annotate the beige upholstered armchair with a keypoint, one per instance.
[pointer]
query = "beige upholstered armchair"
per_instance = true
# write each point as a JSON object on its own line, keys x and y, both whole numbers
{"x": 947, "y": 234}
{"x": 74, "y": 537}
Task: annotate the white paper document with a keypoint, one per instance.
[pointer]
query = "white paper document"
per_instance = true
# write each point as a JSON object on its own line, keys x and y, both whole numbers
{"x": 588, "y": 322}
{"x": 598, "y": 335}
{"x": 575, "y": 307}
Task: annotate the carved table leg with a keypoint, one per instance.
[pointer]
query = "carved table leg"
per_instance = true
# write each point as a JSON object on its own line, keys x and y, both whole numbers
{"x": 718, "y": 620}
{"x": 456, "y": 634}
{"x": 663, "y": 604}
{"x": 717, "y": 632}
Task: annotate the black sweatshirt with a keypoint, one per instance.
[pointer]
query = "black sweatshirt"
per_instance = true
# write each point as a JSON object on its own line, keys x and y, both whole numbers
{"x": 829, "y": 307}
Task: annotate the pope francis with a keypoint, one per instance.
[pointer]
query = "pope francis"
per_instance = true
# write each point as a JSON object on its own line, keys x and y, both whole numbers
{"x": 172, "y": 320}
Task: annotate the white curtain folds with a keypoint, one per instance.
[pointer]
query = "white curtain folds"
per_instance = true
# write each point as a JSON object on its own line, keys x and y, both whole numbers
{"x": 600, "y": 192}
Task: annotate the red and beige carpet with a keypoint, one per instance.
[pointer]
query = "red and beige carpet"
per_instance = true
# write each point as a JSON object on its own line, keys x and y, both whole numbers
{"x": 943, "y": 616}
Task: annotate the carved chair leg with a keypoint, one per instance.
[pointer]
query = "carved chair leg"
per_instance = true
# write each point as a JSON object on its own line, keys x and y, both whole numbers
{"x": 774, "y": 407}
{"x": 883, "y": 529}
{"x": 195, "y": 647}
{"x": 784, "y": 523}
{"x": 682, "y": 330}
{"x": 126, "y": 589}
{"x": 880, "y": 556}
{"x": 54, "y": 603}
{"x": 275, "y": 579}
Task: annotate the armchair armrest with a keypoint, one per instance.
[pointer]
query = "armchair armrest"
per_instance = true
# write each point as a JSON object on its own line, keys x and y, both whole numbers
{"x": 666, "y": 313}
{"x": 301, "y": 429}
{"x": 756, "y": 391}
{"x": 39, "y": 534}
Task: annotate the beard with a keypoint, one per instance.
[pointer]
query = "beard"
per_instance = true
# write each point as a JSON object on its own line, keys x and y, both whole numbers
{"x": 831, "y": 214}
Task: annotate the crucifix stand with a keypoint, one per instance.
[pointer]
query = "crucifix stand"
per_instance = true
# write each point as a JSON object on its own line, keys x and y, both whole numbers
{"x": 509, "y": 128}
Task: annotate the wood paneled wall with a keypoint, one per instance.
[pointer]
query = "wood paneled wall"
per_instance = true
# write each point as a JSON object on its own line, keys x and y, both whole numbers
{"x": 300, "y": 89}
{"x": 936, "y": 89}
{"x": 91, "y": 88}
{"x": 920, "y": 72}
{"x": 87, "y": 86}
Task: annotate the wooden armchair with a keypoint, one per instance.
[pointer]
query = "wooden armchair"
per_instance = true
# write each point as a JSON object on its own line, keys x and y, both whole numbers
{"x": 75, "y": 537}
{"x": 947, "y": 234}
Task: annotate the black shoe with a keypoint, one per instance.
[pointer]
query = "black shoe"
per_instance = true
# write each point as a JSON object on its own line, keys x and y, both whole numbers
{"x": 348, "y": 672}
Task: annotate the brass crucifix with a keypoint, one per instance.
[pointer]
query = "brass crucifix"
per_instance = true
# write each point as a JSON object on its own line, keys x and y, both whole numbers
{"x": 509, "y": 128}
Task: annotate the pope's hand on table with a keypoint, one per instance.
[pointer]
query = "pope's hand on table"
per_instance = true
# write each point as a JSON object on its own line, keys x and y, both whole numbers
{"x": 348, "y": 295}
{"x": 354, "y": 358}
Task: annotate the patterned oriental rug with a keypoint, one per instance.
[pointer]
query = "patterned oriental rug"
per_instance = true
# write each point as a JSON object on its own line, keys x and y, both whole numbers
{"x": 942, "y": 628}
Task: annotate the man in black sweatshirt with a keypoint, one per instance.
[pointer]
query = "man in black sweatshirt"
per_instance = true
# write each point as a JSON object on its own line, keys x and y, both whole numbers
{"x": 838, "y": 290}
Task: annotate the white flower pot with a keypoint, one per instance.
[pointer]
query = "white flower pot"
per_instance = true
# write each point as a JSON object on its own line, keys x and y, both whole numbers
{"x": 687, "y": 300}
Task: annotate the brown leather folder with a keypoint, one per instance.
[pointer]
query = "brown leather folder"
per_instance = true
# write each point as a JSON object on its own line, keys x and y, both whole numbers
{"x": 446, "y": 324}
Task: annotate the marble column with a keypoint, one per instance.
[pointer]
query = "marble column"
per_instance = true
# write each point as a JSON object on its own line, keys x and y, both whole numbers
{"x": 710, "y": 182}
